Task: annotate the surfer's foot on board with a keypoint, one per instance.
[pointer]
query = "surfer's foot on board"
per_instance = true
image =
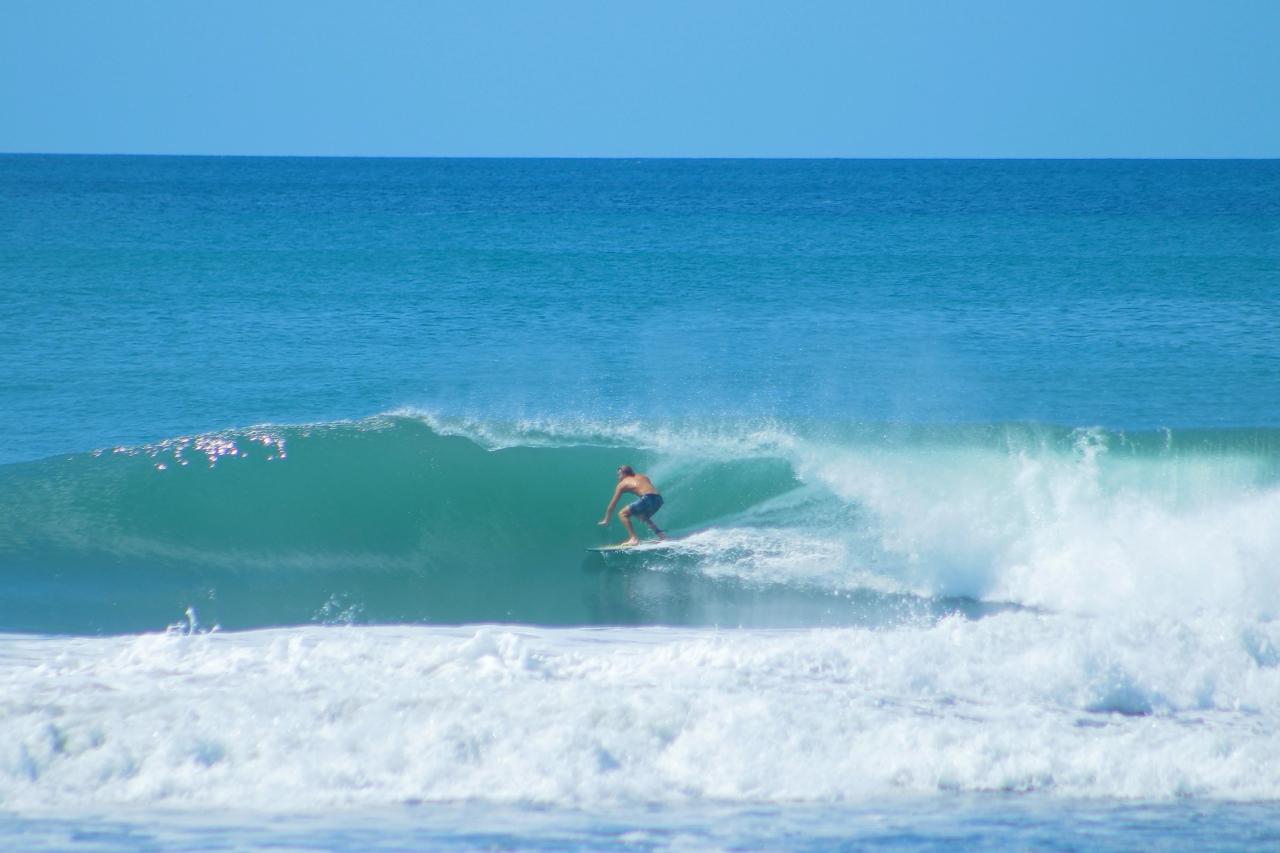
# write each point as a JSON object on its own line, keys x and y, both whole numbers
{"x": 628, "y": 543}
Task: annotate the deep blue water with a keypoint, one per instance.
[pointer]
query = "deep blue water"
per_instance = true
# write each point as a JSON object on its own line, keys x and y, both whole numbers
{"x": 149, "y": 297}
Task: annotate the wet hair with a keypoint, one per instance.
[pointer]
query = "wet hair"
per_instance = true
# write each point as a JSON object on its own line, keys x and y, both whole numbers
{"x": 626, "y": 470}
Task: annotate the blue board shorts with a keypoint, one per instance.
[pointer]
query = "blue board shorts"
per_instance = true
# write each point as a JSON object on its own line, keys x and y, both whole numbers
{"x": 646, "y": 506}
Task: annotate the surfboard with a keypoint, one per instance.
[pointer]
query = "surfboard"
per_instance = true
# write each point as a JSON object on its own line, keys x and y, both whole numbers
{"x": 643, "y": 546}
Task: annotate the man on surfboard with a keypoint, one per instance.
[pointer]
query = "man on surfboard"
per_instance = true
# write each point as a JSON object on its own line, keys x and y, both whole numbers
{"x": 644, "y": 508}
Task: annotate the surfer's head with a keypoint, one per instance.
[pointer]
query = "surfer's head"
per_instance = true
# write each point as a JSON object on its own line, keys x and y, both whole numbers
{"x": 626, "y": 471}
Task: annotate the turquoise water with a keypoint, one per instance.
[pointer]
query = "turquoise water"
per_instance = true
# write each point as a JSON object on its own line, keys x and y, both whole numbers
{"x": 975, "y": 468}
{"x": 904, "y": 824}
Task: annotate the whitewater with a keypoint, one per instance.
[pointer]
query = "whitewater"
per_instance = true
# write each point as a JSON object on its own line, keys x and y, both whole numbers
{"x": 972, "y": 472}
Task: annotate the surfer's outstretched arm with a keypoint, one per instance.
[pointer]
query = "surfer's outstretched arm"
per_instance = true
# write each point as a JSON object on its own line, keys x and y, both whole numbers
{"x": 617, "y": 493}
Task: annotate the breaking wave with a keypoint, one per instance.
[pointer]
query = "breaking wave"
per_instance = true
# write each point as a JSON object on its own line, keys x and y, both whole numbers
{"x": 411, "y": 517}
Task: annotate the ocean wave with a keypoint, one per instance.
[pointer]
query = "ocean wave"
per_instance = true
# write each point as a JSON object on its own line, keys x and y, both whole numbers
{"x": 411, "y": 516}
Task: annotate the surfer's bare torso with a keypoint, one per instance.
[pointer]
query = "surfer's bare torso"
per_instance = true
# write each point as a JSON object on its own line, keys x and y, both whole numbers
{"x": 636, "y": 484}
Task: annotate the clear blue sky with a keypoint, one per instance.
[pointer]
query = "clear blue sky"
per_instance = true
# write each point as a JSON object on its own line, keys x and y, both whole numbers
{"x": 909, "y": 78}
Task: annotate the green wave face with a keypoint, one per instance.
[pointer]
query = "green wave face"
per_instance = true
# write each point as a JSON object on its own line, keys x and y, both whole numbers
{"x": 386, "y": 522}
{"x": 403, "y": 519}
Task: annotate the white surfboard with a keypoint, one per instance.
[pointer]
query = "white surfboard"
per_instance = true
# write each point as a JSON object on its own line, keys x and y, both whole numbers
{"x": 643, "y": 546}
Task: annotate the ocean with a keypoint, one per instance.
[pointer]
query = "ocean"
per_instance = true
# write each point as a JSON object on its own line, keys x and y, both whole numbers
{"x": 972, "y": 470}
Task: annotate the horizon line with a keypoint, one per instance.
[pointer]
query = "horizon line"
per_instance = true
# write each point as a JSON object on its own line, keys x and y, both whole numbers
{"x": 880, "y": 157}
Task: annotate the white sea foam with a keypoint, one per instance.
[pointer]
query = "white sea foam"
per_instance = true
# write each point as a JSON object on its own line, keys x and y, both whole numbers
{"x": 1077, "y": 531}
{"x": 312, "y": 718}
{"x": 805, "y": 558}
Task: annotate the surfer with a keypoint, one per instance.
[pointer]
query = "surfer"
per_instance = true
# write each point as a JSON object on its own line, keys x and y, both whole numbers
{"x": 644, "y": 508}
